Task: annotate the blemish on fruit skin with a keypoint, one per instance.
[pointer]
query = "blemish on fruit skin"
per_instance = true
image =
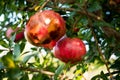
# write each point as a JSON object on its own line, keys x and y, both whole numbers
{"x": 46, "y": 41}
{"x": 54, "y": 34}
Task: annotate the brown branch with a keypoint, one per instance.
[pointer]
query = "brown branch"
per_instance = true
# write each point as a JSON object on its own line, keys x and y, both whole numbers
{"x": 42, "y": 72}
{"x": 91, "y": 15}
{"x": 110, "y": 32}
{"x": 101, "y": 54}
{"x": 76, "y": 21}
{"x": 115, "y": 72}
{"x": 38, "y": 70}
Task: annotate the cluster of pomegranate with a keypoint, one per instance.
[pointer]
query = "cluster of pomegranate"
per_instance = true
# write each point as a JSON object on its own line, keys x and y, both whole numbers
{"x": 45, "y": 29}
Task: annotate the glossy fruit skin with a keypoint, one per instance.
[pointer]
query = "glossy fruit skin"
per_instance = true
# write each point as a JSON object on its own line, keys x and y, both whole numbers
{"x": 19, "y": 35}
{"x": 45, "y": 28}
{"x": 70, "y": 50}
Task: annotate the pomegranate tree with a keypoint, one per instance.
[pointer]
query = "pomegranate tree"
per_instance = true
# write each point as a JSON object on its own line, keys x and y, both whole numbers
{"x": 70, "y": 50}
{"x": 19, "y": 34}
{"x": 45, "y": 28}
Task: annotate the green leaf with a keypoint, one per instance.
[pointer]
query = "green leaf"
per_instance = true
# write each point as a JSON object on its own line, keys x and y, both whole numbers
{"x": 16, "y": 51}
{"x": 116, "y": 64}
{"x": 59, "y": 71}
{"x": 103, "y": 76}
{"x": 22, "y": 46}
{"x": 34, "y": 49}
{"x": 26, "y": 58}
{"x": 117, "y": 77}
{"x": 1, "y": 51}
{"x": 94, "y": 6}
{"x": 13, "y": 37}
{"x": 1, "y": 66}
{"x": 83, "y": 21}
{"x": 4, "y": 44}
{"x": 8, "y": 61}
{"x": 108, "y": 53}
{"x": 99, "y": 77}
{"x": 117, "y": 53}
{"x": 37, "y": 77}
{"x": 25, "y": 77}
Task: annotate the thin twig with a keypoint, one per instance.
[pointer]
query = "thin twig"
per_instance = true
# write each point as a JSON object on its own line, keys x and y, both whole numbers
{"x": 45, "y": 3}
{"x": 76, "y": 21}
{"x": 38, "y": 70}
{"x": 96, "y": 41}
{"x": 91, "y": 15}
{"x": 101, "y": 54}
{"x": 41, "y": 71}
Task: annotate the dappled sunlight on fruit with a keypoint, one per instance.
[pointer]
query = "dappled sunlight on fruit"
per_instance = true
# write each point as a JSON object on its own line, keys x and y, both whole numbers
{"x": 45, "y": 29}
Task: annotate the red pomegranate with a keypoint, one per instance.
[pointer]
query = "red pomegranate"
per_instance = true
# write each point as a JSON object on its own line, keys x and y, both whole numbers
{"x": 19, "y": 34}
{"x": 70, "y": 50}
{"x": 45, "y": 28}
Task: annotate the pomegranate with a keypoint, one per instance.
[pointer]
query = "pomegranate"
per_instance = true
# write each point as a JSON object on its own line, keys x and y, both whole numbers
{"x": 70, "y": 50}
{"x": 45, "y": 28}
{"x": 19, "y": 35}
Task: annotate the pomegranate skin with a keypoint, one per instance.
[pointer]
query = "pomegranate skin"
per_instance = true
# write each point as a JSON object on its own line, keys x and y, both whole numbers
{"x": 70, "y": 50}
{"x": 45, "y": 28}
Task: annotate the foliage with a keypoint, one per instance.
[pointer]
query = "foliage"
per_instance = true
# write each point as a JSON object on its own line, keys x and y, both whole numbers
{"x": 97, "y": 23}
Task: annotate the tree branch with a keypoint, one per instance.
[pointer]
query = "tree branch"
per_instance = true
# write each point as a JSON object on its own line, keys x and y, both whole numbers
{"x": 91, "y": 15}
{"x": 101, "y": 54}
{"x": 38, "y": 70}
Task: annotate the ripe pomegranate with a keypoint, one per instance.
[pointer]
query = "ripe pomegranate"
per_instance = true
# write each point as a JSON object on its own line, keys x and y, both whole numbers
{"x": 19, "y": 35}
{"x": 70, "y": 50}
{"x": 45, "y": 29}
